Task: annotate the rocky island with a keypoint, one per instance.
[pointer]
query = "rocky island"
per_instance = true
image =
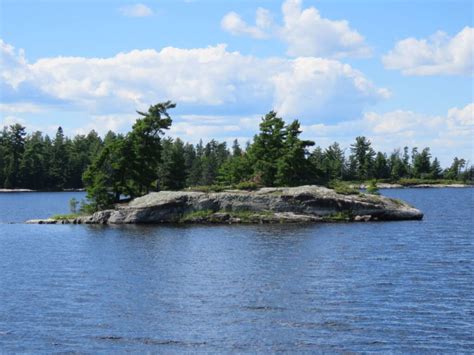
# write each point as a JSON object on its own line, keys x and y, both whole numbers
{"x": 265, "y": 205}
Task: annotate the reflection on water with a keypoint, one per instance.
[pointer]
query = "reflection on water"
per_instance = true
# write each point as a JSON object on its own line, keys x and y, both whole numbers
{"x": 395, "y": 286}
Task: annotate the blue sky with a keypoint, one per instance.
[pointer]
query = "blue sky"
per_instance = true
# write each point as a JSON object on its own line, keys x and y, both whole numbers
{"x": 399, "y": 72}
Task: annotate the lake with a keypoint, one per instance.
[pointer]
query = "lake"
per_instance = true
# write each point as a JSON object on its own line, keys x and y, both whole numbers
{"x": 364, "y": 287}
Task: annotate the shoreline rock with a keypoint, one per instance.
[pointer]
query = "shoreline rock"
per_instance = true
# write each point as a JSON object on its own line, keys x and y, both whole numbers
{"x": 303, "y": 204}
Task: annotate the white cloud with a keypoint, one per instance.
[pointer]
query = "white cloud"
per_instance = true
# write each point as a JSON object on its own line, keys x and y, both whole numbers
{"x": 309, "y": 34}
{"x": 104, "y": 123}
{"x": 437, "y": 55}
{"x": 447, "y": 136}
{"x": 316, "y": 86}
{"x": 407, "y": 123}
{"x": 11, "y": 120}
{"x": 192, "y": 128}
{"x": 304, "y": 31}
{"x": 20, "y": 107}
{"x": 204, "y": 77}
{"x": 233, "y": 23}
{"x": 12, "y": 65}
{"x": 136, "y": 10}
{"x": 461, "y": 117}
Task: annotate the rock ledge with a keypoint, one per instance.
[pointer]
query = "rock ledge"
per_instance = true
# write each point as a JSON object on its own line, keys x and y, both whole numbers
{"x": 301, "y": 204}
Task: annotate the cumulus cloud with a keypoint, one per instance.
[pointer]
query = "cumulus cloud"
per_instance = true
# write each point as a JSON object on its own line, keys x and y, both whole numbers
{"x": 438, "y": 55}
{"x": 20, "y": 107}
{"x": 203, "y": 77}
{"x": 447, "y": 135}
{"x": 305, "y": 32}
{"x": 461, "y": 117}
{"x": 136, "y": 10}
{"x": 407, "y": 123}
{"x": 11, "y": 120}
{"x": 104, "y": 123}
{"x": 309, "y": 34}
{"x": 233, "y": 23}
{"x": 316, "y": 86}
{"x": 12, "y": 65}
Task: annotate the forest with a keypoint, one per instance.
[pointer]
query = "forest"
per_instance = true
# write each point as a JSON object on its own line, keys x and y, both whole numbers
{"x": 145, "y": 160}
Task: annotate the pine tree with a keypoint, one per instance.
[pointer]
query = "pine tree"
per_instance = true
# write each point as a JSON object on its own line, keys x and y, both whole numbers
{"x": 363, "y": 156}
{"x": 422, "y": 164}
{"x": 435, "y": 170}
{"x": 267, "y": 148}
{"x": 293, "y": 168}
{"x": 381, "y": 169}
{"x": 15, "y": 146}
{"x": 146, "y": 140}
{"x": 317, "y": 164}
{"x": 334, "y": 162}
{"x": 195, "y": 171}
{"x": 172, "y": 169}
{"x": 236, "y": 150}
{"x": 32, "y": 168}
{"x": 59, "y": 161}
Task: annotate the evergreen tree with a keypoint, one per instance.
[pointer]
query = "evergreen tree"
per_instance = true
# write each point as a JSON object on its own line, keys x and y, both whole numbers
{"x": 215, "y": 154}
{"x": 317, "y": 163}
{"x": 363, "y": 156}
{"x": 110, "y": 175}
{"x": 172, "y": 170}
{"x": 293, "y": 168}
{"x": 397, "y": 166}
{"x": 267, "y": 148}
{"x": 59, "y": 160}
{"x": 381, "y": 168}
{"x": 236, "y": 150}
{"x": 454, "y": 170}
{"x": 3, "y": 154}
{"x": 435, "y": 170}
{"x": 422, "y": 164}
{"x": 406, "y": 164}
{"x": 15, "y": 146}
{"x": 146, "y": 140}
{"x": 334, "y": 162}
{"x": 32, "y": 168}
{"x": 129, "y": 165}
{"x": 195, "y": 171}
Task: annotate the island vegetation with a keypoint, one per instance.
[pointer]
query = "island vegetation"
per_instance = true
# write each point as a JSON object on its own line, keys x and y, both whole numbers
{"x": 144, "y": 160}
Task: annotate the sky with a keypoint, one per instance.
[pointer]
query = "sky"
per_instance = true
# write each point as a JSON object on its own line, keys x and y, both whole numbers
{"x": 399, "y": 72}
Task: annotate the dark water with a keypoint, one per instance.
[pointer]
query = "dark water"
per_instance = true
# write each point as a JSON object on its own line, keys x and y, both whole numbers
{"x": 398, "y": 286}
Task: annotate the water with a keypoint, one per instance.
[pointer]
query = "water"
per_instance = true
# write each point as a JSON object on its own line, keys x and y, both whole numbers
{"x": 395, "y": 286}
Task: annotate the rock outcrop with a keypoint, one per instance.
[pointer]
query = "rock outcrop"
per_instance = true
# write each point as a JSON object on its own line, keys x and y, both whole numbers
{"x": 266, "y": 205}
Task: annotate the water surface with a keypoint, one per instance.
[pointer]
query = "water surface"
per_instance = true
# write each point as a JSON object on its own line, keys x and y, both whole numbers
{"x": 386, "y": 286}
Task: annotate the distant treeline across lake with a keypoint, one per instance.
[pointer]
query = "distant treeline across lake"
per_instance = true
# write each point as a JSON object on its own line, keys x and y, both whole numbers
{"x": 145, "y": 159}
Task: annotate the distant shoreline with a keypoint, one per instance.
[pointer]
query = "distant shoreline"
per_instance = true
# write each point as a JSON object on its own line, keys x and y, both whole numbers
{"x": 29, "y": 190}
{"x": 381, "y": 186}
{"x": 415, "y": 186}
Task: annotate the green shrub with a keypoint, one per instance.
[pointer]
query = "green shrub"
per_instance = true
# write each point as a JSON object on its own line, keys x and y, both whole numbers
{"x": 73, "y": 204}
{"x": 208, "y": 188}
{"x": 372, "y": 188}
{"x": 343, "y": 188}
{"x": 247, "y": 185}
{"x": 59, "y": 217}
{"x": 343, "y": 216}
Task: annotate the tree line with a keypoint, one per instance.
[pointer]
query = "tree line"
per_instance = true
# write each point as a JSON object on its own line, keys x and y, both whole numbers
{"x": 145, "y": 160}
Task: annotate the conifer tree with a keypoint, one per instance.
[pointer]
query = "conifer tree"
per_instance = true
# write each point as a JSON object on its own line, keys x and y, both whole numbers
{"x": 293, "y": 167}
{"x": 266, "y": 148}
{"x": 363, "y": 156}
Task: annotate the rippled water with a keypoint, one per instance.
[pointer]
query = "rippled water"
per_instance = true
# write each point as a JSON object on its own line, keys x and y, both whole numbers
{"x": 395, "y": 286}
